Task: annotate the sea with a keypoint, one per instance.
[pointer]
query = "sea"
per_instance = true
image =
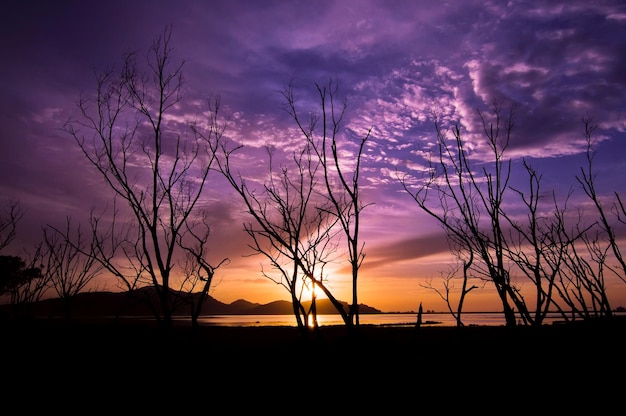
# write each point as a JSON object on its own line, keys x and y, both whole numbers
{"x": 382, "y": 319}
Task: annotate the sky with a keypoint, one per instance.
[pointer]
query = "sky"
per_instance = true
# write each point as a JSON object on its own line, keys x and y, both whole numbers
{"x": 394, "y": 61}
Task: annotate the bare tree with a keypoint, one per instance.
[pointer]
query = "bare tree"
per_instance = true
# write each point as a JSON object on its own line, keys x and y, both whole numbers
{"x": 582, "y": 277}
{"x": 586, "y": 179}
{"x": 22, "y": 281}
{"x": 468, "y": 203}
{"x": 537, "y": 247}
{"x": 160, "y": 175}
{"x": 198, "y": 270}
{"x": 450, "y": 277}
{"x": 580, "y": 285}
{"x": 342, "y": 187}
{"x": 13, "y": 213}
{"x": 69, "y": 262}
{"x": 290, "y": 228}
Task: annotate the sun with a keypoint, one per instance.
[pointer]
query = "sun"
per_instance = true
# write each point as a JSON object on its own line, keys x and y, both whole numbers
{"x": 310, "y": 291}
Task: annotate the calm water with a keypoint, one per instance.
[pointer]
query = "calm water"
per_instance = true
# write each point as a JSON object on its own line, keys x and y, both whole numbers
{"x": 442, "y": 319}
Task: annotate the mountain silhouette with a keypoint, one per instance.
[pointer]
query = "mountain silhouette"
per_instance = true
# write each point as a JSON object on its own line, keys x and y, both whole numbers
{"x": 104, "y": 303}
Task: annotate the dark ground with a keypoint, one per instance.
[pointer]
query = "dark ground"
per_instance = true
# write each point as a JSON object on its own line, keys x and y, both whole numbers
{"x": 389, "y": 370}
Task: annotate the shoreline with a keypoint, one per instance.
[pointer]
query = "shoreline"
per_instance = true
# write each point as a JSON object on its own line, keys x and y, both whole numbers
{"x": 470, "y": 319}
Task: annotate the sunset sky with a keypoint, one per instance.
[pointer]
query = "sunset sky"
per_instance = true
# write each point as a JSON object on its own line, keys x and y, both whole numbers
{"x": 395, "y": 61}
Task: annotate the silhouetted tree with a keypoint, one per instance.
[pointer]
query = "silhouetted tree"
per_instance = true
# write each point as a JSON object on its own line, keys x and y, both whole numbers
{"x": 581, "y": 284}
{"x": 536, "y": 245}
{"x": 468, "y": 203}
{"x": 582, "y": 279}
{"x": 449, "y": 278}
{"x": 9, "y": 219}
{"x": 292, "y": 227}
{"x": 159, "y": 175}
{"x": 23, "y": 282}
{"x": 586, "y": 179}
{"x": 70, "y": 262}
{"x": 198, "y": 271}
{"x": 342, "y": 187}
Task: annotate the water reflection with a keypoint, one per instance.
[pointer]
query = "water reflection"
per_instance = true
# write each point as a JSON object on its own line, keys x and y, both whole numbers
{"x": 392, "y": 319}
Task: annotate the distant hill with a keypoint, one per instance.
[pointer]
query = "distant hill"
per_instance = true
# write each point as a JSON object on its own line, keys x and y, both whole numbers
{"x": 100, "y": 304}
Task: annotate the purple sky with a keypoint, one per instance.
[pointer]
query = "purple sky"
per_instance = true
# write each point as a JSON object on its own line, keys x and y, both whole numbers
{"x": 395, "y": 61}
